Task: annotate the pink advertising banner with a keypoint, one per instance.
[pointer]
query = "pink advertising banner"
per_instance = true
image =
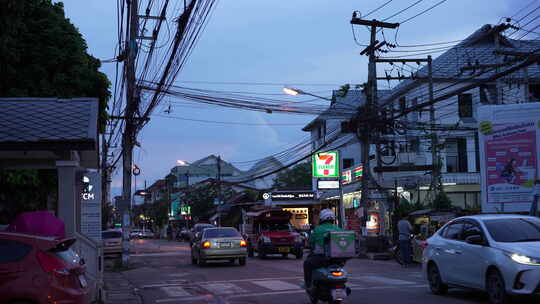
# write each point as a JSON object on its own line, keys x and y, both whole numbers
{"x": 510, "y": 160}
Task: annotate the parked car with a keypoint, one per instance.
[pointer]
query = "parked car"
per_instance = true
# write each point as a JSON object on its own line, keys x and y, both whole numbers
{"x": 146, "y": 234}
{"x": 112, "y": 242}
{"x": 499, "y": 254}
{"x": 223, "y": 243}
{"x": 41, "y": 270}
{"x": 198, "y": 228}
{"x": 135, "y": 234}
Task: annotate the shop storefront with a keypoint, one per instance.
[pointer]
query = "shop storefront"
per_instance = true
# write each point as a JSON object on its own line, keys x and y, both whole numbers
{"x": 303, "y": 205}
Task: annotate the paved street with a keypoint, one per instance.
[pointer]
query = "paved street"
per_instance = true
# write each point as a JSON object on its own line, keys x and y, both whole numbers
{"x": 163, "y": 274}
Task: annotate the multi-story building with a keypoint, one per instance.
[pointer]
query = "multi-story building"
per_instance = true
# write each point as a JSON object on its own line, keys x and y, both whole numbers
{"x": 201, "y": 170}
{"x": 406, "y": 158}
{"x": 472, "y": 61}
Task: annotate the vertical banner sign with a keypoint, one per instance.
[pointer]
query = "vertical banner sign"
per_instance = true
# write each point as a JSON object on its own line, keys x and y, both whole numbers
{"x": 346, "y": 177}
{"x": 358, "y": 172}
{"x": 91, "y": 205}
{"x": 510, "y": 161}
{"x": 326, "y": 164}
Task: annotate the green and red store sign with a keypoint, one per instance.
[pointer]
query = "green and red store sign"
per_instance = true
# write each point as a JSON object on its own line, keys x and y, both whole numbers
{"x": 349, "y": 176}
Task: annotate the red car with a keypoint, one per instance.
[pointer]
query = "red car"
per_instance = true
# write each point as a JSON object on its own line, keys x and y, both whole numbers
{"x": 40, "y": 270}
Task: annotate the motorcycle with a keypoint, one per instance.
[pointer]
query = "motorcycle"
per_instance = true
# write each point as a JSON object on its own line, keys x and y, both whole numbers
{"x": 329, "y": 283}
{"x": 396, "y": 250}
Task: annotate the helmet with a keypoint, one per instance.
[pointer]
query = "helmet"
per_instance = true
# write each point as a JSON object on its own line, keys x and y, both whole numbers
{"x": 327, "y": 215}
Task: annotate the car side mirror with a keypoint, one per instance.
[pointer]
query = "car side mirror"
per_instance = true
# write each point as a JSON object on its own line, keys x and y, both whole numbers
{"x": 475, "y": 239}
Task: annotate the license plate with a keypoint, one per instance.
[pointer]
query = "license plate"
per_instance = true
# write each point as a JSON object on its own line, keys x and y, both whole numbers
{"x": 338, "y": 294}
{"x": 225, "y": 245}
{"x": 83, "y": 281}
{"x": 284, "y": 249}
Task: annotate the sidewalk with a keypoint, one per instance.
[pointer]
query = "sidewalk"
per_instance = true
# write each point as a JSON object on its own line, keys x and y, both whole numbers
{"x": 118, "y": 289}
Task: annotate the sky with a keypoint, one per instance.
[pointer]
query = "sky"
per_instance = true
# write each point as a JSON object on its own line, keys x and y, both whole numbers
{"x": 307, "y": 44}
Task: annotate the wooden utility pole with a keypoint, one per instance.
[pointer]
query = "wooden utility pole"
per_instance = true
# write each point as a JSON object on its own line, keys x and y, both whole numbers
{"x": 370, "y": 111}
{"x": 128, "y": 137}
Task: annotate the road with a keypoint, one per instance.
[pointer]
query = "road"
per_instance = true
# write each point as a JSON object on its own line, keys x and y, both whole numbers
{"x": 163, "y": 273}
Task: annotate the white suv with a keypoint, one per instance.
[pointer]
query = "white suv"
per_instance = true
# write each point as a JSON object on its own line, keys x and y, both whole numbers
{"x": 496, "y": 253}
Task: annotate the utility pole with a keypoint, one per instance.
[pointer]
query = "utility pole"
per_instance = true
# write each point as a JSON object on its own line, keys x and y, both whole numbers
{"x": 128, "y": 137}
{"x": 435, "y": 160}
{"x": 219, "y": 188}
{"x": 370, "y": 110}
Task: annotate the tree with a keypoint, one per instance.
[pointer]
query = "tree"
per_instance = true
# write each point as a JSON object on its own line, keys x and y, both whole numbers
{"x": 298, "y": 176}
{"x": 42, "y": 54}
{"x": 201, "y": 199}
{"x": 442, "y": 202}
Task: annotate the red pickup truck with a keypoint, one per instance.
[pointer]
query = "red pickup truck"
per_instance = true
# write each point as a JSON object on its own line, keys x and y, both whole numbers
{"x": 270, "y": 232}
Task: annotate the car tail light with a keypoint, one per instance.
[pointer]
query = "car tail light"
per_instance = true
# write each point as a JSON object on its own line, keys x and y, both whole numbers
{"x": 424, "y": 244}
{"x": 337, "y": 273}
{"x": 206, "y": 244}
{"x": 243, "y": 243}
{"x": 51, "y": 264}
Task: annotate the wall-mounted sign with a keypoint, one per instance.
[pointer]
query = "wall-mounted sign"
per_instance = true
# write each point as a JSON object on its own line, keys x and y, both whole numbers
{"x": 346, "y": 177}
{"x": 327, "y": 184}
{"x": 292, "y": 196}
{"x": 90, "y": 217}
{"x": 358, "y": 172}
{"x": 326, "y": 164}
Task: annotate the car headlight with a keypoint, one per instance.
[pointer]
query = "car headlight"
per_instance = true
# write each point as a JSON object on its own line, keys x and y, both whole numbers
{"x": 522, "y": 259}
{"x": 266, "y": 239}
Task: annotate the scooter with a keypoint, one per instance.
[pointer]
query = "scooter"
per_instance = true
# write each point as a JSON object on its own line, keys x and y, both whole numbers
{"x": 329, "y": 283}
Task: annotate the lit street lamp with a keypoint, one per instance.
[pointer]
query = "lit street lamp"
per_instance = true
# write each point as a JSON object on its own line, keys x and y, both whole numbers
{"x": 295, "y": 92}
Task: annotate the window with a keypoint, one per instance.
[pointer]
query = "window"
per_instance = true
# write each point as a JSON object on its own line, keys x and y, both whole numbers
{"x": 221, "y": 233}
{"x": 275, "y": 227}
{"x": 514, "y": 229}
{"x": 534, "y": 92}
{"x": 13, "y": 251}
{"x": 470, "y": 229}
{"x": 456, "y": 155}
{"x": 416, "y": 114}
{"x": 453, "y": 231}
{"x": 348, "y": 162}
{"x": 111, "y": 235}
{"x": 402, "y": 104}
{"x": 465, "y": 105}
{"x": 321, "y": 130}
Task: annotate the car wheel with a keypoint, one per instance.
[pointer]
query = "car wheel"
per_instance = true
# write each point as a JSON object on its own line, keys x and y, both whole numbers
{"x": 435, "y": 282}
{"x": 262, "y": 254}
{"x": 242, "y": 261}
{"x": 201, "y": 262}
{"x": 285, "y": 255}
{"x": 496, "y": 288}
{"x": 193, "y": 260}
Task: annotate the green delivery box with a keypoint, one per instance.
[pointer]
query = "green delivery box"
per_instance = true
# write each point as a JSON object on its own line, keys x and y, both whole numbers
{"x": 342, "y": 244}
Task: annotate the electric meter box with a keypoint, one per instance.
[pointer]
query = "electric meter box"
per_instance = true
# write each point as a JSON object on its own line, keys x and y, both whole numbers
{"x": 341, "y": 244}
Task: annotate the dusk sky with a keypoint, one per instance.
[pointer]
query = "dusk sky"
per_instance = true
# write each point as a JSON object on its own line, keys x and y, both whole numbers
{"x": 296, "y": 43}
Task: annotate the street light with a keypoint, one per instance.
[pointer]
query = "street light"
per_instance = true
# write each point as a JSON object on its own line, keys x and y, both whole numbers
{"x": 295, "y": 92}
{"x": 182, "y": 162}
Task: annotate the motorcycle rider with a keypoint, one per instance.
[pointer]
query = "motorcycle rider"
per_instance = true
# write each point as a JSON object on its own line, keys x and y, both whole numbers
{"x": 316, "y": 258}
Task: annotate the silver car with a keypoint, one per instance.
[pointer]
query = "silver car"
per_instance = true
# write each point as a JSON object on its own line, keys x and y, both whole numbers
{"x": 496, "y": 253}
{"x": 223, "y": 243}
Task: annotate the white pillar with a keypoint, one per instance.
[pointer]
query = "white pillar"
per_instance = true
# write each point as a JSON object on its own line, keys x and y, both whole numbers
{"x": 68, "y": 195}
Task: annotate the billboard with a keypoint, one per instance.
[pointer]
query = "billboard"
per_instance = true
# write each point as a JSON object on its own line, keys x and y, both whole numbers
{"x": 326, "y": 164}
{"x": 509, "y": 150}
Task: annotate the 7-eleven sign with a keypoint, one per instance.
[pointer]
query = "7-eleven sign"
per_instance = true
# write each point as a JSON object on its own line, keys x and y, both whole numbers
{"x": 326, "y": 164}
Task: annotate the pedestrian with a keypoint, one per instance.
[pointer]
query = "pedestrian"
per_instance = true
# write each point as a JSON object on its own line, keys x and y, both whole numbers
{"x": 169, "y": 232}
{"x": 405, "y": 230}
